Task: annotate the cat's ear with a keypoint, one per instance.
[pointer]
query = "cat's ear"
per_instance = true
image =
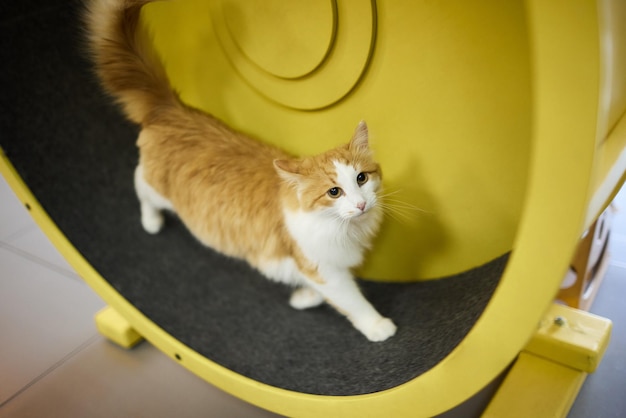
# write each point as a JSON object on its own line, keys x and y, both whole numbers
{"x": 288, "y": 170}
{"x": 360, "y": 138}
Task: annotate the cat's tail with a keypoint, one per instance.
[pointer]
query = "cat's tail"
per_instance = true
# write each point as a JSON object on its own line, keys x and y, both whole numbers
{"x": 127, "y": 65}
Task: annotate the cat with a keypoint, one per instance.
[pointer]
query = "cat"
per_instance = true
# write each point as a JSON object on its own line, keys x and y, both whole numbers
{"x": 306, "y": 222}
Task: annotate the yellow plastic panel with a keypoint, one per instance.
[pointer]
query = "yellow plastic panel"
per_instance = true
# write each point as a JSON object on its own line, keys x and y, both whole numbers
{"x": 322, "y": 71}
{"x": 257, "y": 28}
{"x": 611, "y": 154}
{"x": 610, "y": 169}
{"x": 444, "y": 86}
{"x": 612, "y": 15}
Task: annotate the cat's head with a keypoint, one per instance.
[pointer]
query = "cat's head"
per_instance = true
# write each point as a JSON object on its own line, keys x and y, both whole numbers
{"x": 343, "y": 182}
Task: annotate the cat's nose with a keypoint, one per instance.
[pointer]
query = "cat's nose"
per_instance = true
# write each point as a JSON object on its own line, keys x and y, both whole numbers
{"x": 361, "y": 206}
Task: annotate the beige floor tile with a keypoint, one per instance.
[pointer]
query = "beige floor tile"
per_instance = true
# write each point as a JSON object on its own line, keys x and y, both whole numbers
{"x": 617, "y": 248}
{"x": 44, "y": 316}
{"x": 13, "y": 216}
{"x": 33, "y": 244}
{"x": 105, "y": 381}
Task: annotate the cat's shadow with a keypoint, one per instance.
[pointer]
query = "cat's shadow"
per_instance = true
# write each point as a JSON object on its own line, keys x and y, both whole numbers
{"x": 413, "y": 226}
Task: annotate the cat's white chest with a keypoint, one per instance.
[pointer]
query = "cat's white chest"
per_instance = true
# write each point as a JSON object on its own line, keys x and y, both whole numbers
{"x": 324, "y": 240}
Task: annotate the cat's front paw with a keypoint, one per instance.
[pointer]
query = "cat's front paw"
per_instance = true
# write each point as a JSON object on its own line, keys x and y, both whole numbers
{"x": 380, "y": 330}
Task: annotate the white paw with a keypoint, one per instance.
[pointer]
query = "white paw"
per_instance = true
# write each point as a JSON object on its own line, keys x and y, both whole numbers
{"x": 152, "y": 222}
{"x": 380, "y": 330}
{"x": 304, "y": 298}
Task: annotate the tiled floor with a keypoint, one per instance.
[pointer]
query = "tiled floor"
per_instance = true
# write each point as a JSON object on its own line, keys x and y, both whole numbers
{"x": 53, "y": 363}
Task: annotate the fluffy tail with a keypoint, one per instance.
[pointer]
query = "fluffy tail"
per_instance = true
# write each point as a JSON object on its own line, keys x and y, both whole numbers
{"x": 125, "y": 61}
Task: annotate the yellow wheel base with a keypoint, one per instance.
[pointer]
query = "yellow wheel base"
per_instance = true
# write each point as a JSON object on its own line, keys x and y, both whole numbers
{"x": 548, "y": 374}
{"x": 536, "y": 387}
{"x": 114, "y": 327}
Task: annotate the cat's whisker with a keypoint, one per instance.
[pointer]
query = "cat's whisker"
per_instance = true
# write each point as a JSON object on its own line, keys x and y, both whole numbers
{"x": 385, "y": 197}
{"x": 397, "y": 215}
{"x": 392, "y": 193}
{"x": 400, "y": 211}
{"x": 405, "y": 205}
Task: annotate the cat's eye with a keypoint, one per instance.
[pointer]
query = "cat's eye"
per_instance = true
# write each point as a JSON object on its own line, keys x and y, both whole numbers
{"x": 362, "y": 178}
{"x": 334, "y": 192}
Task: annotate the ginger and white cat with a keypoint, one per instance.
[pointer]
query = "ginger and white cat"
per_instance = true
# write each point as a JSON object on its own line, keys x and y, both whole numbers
{"x": 306, "y": 222}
